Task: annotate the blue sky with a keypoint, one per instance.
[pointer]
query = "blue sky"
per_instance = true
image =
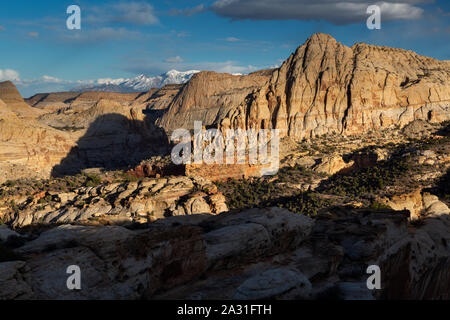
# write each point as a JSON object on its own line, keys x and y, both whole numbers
{"x": 121, "y": 39}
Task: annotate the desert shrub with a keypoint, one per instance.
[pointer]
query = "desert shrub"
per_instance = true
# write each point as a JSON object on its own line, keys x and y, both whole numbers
{"x": 128, "y": 178}
{"x": 10, "y": 183}
{"x": 366, "y": 180}
{"x": 245, "y": 194}
{"x": 375, "y": 205}
{"x": 48, "y": 198}
{"x": 93, "y": 180}
{"x": 307, "y": 203}
{"x": 296, "y": 174}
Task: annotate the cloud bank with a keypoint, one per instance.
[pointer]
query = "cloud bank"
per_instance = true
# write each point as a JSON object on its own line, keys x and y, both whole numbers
{"x": 339, "y": 12}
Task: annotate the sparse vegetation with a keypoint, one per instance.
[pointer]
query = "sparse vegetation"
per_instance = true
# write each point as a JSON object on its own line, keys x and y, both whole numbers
{"x": 375, "y": 205}
{"x": 93, "y": 180}
{"x": 367, "y": 180}
{"x": 68, "y": 128}
{"x": 245, "y": 194}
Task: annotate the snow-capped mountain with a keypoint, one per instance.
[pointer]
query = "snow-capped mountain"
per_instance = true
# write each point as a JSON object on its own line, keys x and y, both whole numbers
{"x": 138, "y": 84}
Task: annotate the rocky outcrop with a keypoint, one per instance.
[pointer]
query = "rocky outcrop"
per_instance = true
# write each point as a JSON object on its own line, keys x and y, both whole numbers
{"x": 28, "y": 148}
{"x": 14, "y": 101}
{"x": 254, "y": 254}
{"x": 116, "y": 203}
{"x": 420, "y": 204}
{"x": 209, "y": 96}
{"x": 323, "y": 87}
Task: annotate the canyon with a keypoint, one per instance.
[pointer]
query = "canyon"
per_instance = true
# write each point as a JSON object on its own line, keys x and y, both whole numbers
{"x": 86, "y": 179}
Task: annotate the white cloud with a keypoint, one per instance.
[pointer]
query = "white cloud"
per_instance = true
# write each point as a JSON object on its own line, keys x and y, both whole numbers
{"x": 188, "y": 11}
{"x": 150, "y": 66}
{"x": 232, "y": 39}
{"x": 50, "y": 79}
{"x": 176, "y": 59}
{"x": 137, "y": 13}
{"x": 9, "y": 74}
{"x": 100, "y": 35}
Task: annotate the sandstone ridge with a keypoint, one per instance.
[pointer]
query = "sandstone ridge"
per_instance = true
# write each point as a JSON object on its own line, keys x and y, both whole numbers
{"x": 323, "y": 87}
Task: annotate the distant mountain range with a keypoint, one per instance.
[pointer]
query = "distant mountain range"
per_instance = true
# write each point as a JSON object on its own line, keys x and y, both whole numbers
{"x": 138, "y": 84}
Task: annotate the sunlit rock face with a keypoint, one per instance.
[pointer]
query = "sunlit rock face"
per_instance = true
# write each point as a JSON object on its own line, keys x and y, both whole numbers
{"x": 323, "y": 87}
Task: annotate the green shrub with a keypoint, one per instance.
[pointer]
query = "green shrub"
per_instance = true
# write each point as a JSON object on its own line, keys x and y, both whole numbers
{"x": 93, "y": 180}
{"x": 48, "y": 198}
{"x": 245, "y": 194}
{"x": 375, "y": 205}
{"x": 307, "y": 203}
{"x": 367, "y": 180}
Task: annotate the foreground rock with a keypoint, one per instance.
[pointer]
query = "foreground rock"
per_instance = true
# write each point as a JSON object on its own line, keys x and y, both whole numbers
{"x": 255, "y": 254}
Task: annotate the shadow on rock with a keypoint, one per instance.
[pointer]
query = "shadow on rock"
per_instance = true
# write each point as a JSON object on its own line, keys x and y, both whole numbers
{"x": 113, "y": 142}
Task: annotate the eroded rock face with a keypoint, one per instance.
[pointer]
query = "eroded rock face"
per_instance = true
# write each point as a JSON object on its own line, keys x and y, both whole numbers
{"x": 208, "y": 96}
{"x": 255, "y": 254}
{"x": 65, "y": 133}
{"x": 420, "y": 204}
{"x": 117, "y": 203}
{"x": 14, "y": 101}
{"x": 323, "y": 87}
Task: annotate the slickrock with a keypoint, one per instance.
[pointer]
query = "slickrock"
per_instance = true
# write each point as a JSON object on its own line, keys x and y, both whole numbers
{"x": 126, "y": 202}
{"x": 332, "y": 164}
{"x": 420, "y": 204}
{"x": 289, "y": 257}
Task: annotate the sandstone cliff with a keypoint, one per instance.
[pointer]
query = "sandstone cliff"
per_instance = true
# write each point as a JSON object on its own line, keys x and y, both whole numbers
{"x": 65, "y": 132}
{"x": 209, "y": 96}
{"x": 323, "y": 87}
{"x": 14, "y": 101}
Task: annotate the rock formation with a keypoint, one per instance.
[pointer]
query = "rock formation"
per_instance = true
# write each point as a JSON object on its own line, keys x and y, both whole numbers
{"x": 116, "y": 202}
{"x": 64, "y": 133}
{"x": 323, "y": 87}
{"x": 255, "y": 254}
{"x": 14, "y": 101}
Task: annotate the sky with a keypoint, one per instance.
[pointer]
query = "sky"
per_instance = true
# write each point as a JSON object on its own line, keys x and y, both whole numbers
{"x": 122, "y": 39}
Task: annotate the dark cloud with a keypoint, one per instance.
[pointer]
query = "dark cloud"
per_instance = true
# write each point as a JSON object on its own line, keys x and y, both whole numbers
{"x": 338, "y": 12}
